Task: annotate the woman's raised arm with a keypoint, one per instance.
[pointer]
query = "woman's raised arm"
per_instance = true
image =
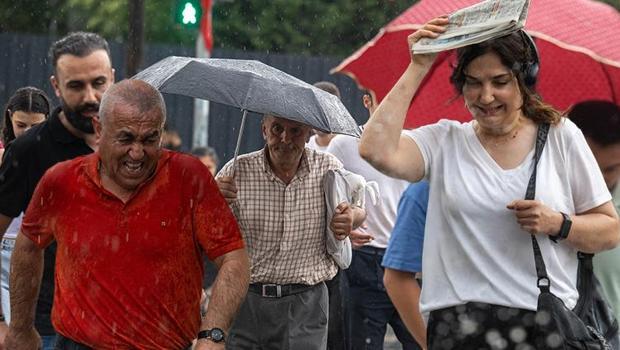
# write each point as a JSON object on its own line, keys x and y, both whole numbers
{"x": 382, "y": 144}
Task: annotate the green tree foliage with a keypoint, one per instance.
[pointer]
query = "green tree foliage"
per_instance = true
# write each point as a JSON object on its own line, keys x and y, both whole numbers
{"x": 31, "y": 16}
{"x": 299, "y": 26}
{"x": 318, "y": 27}
{"x": 614, "y": 3}
{"x": 108, "y": 18}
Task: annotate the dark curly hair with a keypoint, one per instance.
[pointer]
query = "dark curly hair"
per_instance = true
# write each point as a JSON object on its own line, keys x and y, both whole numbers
{"x": 516, "y": 54}
{"x": 27, "y": 99}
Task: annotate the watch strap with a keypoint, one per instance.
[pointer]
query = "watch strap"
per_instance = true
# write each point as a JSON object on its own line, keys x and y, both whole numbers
{"x": 216, "y": 335}
{"x": 564, "y": 229}
{"x": 204, "y": 334}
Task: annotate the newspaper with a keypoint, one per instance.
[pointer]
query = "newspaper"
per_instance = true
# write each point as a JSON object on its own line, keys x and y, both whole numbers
{"x": 477, "y": 23}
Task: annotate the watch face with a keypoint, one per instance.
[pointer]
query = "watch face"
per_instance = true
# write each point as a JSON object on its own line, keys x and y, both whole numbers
{"x": 217, "y": 335}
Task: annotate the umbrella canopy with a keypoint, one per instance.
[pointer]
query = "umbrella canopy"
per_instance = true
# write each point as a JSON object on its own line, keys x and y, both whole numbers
{"x": 578, "y": 42}
{"x": 251, "y": 86}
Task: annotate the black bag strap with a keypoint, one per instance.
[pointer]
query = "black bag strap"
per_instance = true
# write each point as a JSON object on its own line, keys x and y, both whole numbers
{"x": 585, "y": 282}
{"x": 541, "y": 271}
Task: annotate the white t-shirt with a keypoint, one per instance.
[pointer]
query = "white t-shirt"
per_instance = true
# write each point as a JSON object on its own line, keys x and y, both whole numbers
{"x": 380, "y": 218}
{"x": 474, "y": 249}
{"x": 13, "y": 229}
{"x": 315, "y": 146}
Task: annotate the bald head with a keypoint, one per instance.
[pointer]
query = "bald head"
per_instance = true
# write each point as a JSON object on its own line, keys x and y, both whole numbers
{"x": 136, "y": 95}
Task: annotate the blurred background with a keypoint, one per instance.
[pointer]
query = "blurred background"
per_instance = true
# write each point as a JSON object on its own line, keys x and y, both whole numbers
{"x": 303, "y": 38}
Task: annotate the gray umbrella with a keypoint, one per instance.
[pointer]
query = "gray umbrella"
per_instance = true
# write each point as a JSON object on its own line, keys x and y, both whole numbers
{"x": 251, "y": 86}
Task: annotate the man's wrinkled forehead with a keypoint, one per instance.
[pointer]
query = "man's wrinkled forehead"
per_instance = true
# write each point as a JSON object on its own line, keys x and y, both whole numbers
{"x": 270, "y": 119}
{"x": 123, "y": 113}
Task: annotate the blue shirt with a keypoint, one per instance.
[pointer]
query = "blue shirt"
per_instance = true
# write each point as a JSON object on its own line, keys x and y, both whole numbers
{"x": 404, "y": 251}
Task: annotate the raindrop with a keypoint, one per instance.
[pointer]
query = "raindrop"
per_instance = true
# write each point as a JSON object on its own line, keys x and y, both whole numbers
{"x": 115, "y": 243}
{"x": 84, "y": 249}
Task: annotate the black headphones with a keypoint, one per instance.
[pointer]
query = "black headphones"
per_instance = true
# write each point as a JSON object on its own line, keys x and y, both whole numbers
{"x": 529, "y": 68}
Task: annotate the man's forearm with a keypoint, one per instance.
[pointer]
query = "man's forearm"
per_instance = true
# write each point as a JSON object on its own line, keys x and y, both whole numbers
{"x": 404, "y": 292}
{"x": 26, "y": 273}
{"x": 229, "y": 290}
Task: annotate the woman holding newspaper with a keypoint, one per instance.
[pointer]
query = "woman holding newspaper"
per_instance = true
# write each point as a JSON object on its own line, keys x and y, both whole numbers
{"x": 479, "y": 286}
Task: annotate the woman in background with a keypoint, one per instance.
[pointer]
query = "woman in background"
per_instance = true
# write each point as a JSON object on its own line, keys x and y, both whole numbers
{"x": 27, "y": 107}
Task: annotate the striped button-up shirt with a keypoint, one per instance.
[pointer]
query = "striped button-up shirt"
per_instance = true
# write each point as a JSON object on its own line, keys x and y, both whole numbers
{"x": 283, "y": 225}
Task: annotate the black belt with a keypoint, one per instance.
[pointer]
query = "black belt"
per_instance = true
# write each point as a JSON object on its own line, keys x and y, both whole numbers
{"x": 370, "y": 250}
{"x": 270, "y": 290}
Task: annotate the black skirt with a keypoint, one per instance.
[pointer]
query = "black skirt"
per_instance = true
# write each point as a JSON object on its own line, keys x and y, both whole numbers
{"x": 482, "y": 326}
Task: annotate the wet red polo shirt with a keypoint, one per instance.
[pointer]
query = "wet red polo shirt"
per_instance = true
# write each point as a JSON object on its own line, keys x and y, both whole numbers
{"x": 129, "y": 275}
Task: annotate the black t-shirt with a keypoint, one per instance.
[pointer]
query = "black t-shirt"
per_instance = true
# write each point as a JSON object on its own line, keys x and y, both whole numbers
{"x": 25, "y": 161}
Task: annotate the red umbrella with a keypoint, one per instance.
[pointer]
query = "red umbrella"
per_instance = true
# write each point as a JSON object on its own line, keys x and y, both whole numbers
{"x": 578, "y": 42}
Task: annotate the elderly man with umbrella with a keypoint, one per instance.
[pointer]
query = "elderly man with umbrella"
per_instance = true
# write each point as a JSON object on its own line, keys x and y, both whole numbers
{"x": 277, "y": 196}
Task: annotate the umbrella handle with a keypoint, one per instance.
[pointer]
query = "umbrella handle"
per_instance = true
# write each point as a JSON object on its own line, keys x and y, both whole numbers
{"x": 245, "y": 113}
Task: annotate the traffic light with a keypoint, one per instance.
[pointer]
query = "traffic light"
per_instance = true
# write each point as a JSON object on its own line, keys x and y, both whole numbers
{"x": 187, "y": 13}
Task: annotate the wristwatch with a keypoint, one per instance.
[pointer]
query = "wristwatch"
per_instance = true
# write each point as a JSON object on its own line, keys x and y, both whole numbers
{"x": 216, "y": 335}
{"x": 564, "y": 229}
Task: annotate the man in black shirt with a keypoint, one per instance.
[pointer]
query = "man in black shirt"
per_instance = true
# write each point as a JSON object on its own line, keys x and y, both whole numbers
{"x": 82, "y": 73}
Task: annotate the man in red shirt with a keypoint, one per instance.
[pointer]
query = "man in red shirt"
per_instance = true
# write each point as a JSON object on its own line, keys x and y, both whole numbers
{"x": 131, "y": 223}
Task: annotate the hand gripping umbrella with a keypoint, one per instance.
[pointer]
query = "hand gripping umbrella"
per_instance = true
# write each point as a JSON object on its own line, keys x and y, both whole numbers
{"x": 251, "y": 86}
